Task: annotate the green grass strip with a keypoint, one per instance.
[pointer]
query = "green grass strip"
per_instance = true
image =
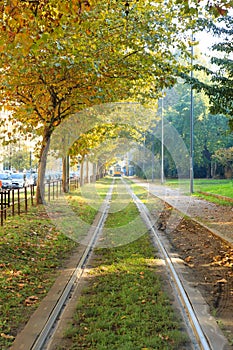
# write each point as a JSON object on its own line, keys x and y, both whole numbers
{"x": 31, "y": 250}
{"x": 124, "y": 306}
{"x": 220, "y": 187}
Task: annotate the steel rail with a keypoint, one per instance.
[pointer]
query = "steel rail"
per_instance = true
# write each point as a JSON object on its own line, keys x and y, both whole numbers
{"x": 185, "y": 302}
{"x": 57, "y": 310}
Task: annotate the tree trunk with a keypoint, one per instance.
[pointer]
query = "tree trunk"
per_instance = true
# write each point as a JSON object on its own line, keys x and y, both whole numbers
{"x": 94, "y": 172}
{"x": 213, "y": 169}
{"x": 87, "y": 170}
{"x": 81, "y": 174}
{"x": 207, "y": 159}
{"x": 65, "y": 174}
{"x": 228, "y": 172}
{"x": 40, "y": 190}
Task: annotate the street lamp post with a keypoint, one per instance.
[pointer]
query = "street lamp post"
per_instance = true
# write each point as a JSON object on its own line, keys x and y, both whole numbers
{"x": 191, "y": 121}
{"x": 162, "y": 143}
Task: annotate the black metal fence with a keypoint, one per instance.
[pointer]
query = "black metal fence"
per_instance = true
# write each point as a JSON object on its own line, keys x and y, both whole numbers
{"x": 16, "y": 201}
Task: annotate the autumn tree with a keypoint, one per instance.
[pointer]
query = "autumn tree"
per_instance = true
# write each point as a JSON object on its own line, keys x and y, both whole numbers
{"x": 99, "y": 144}
{"x": 58, "y": 57}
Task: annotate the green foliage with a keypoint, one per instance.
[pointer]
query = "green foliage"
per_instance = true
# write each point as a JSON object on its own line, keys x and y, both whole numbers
{"x": 210, "y": 131}
{"x": 224, "y": 156}
{"x": 17, "y": 157}
{"x": 217, "y": 8}
{"x": 103, "y": 140}
{"x": 219, "y": 88}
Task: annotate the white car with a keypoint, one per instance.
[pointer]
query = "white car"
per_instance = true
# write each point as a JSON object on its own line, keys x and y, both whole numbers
{"x": 18, "y": 180}
{"x": 5, "y": 181}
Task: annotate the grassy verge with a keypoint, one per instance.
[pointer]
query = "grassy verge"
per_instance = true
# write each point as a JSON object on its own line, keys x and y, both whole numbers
{"x": 31, "y": 251}
{"x": 211, "y": 198}
{"x": 124, "y": 306}
{"x": 211, "y": 186}
{"x": 219, "y": 187}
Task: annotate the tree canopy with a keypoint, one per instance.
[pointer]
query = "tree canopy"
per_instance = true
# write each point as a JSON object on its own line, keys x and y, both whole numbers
{"x": 219, "y": 88}
{"x": 211, "y": 132}
{"x": 59, "y": 57}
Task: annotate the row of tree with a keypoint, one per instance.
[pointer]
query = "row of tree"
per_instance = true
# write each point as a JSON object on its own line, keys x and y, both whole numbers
{"x": 213, "y": 107}
{"x": 61, "y": 57}
{"x": 212, "y": 139}
{"x": 213, "y": 117}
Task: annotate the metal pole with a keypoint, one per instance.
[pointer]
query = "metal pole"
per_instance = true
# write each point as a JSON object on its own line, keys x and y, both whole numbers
{"x": 68, "y": 173}
{"x": 191, "y": 122}
{"x": 144, "y": 155}
{"x": 153, "y": 157}
{"x": 162, "y": 144}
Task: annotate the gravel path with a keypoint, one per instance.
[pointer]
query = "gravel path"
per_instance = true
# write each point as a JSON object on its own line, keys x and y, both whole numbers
{"x": 217, "y": 217}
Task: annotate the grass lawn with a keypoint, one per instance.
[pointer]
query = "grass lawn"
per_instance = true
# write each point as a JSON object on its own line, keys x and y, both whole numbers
{"x": 124, "y": 306}
{"x": 31, "y": 250}
{"x": 221, "y": 187}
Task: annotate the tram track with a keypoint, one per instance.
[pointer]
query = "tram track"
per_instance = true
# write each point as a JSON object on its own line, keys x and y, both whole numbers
{"x": 199, "y": 338}
{"x": 196, "y": 332}
{"x": 39, "y": 341}
{"x": 206, "y": 255}
{"x": 75, "y": 278}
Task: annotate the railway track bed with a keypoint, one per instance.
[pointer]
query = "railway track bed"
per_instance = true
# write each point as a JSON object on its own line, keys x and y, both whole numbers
{"x": 209, "y": 263}
{"x": 205, "y": 266}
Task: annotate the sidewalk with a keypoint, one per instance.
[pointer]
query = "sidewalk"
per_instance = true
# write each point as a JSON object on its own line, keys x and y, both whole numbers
{"x": 217, "y": 218}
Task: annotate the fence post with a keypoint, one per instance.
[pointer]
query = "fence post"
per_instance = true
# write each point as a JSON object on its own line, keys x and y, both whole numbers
{"x": 18, "y": 201}
{"x": 1, "y": 208}
{"x": 13, "y": 202}
{"x": 31, "y": 193}
{"x": 5, "y": 204}
{"x": 53, "y": 189}
{"x": 26, "y": 199}
{"x": 49, "y": 191}
{"x": 9, "y": 198}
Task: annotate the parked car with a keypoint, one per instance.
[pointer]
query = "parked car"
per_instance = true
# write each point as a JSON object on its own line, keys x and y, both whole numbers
{"x": 74, "y": 175}
{"x": 31, "y": 178}
{"x": 18, "y": 180}
{"x": 5, "y": 180}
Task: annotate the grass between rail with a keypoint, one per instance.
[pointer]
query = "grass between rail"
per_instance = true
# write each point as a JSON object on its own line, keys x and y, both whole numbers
{"x": 124, "y": 305}
{"x": 32, "y": 250}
